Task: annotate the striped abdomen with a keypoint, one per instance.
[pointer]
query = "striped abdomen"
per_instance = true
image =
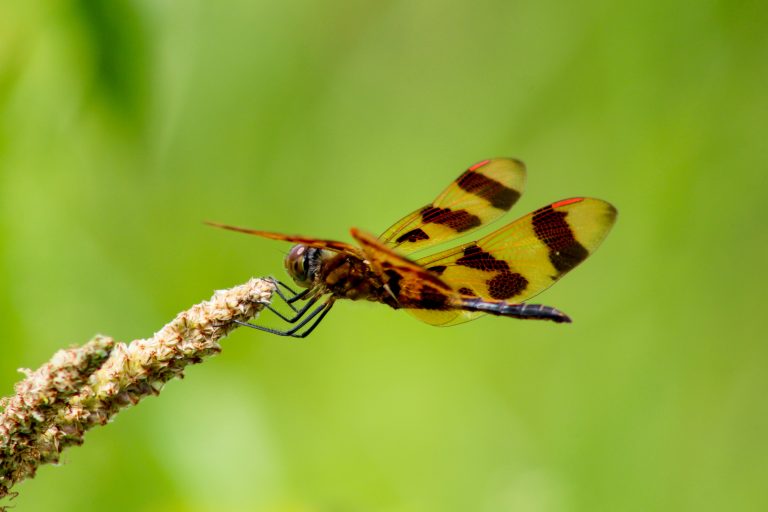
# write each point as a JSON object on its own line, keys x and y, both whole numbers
{"x": 524, "y": 311}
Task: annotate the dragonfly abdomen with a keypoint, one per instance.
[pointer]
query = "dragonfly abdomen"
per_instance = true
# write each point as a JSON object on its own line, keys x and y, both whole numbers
{"x": 523, "y": 311}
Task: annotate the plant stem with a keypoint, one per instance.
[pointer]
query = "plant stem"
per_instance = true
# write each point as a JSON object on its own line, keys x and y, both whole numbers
{"x": 86, "y": 386}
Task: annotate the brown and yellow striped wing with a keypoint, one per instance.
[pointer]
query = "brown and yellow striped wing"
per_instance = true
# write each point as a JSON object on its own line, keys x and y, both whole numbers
{"x": 527, "y": 256}
{"x": 420, "y": 292}
{"x": 479, "y": 196}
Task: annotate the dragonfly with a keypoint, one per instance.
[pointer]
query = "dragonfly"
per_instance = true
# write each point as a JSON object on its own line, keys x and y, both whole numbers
{"x": 494, "y": 275}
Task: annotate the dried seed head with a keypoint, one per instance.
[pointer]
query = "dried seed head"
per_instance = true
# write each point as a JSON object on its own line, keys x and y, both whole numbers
{"x": 82, "y": 387}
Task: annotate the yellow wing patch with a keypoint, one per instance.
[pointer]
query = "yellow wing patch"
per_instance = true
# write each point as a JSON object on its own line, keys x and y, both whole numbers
{"x": 479, "y": 196}
{"x": 527, "y": 256}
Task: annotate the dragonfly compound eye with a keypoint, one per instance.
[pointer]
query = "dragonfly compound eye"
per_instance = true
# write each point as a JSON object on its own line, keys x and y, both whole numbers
{"x": 296, "y": 264}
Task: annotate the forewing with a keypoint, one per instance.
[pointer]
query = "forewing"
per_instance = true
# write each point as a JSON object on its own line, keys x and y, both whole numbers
{"x": 311, "y": 242}
{"x": 527, "y": 256}
{"x": 422, "y": 293}
{"x": 480, "y": 195}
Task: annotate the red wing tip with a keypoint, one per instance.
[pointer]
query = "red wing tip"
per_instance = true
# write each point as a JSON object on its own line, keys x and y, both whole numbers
{"x": 565, "y": 202}
{"x": 479, "y": 165}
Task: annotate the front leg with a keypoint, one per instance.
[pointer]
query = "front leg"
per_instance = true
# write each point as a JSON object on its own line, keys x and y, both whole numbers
{"x": 294, "y": 295}
{"x": 321, "y": 310}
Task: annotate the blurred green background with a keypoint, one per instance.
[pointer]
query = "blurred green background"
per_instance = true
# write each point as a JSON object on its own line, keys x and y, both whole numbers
{"x": 124, "y": 124}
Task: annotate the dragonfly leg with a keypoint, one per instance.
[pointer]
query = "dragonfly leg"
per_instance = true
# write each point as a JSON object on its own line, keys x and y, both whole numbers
{"x": 299, "y": 296}
{"x": 318, "y": 312}
{"x": 299, "y": 312}
{"x": 294, "y": 295}
{"x": 291, "y": 290}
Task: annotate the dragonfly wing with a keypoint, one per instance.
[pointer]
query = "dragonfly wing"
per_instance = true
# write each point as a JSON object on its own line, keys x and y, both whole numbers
{"x": 527, "y": 256}
{"x": 332, "y": 245}
{"x": 479, "y": 196}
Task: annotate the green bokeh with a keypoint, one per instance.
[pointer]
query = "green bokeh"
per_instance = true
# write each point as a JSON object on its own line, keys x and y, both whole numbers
{"x": 124, "y": 124}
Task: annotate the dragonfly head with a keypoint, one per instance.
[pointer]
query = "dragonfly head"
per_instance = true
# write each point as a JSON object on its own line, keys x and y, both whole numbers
{"x": 303, "y": 264}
